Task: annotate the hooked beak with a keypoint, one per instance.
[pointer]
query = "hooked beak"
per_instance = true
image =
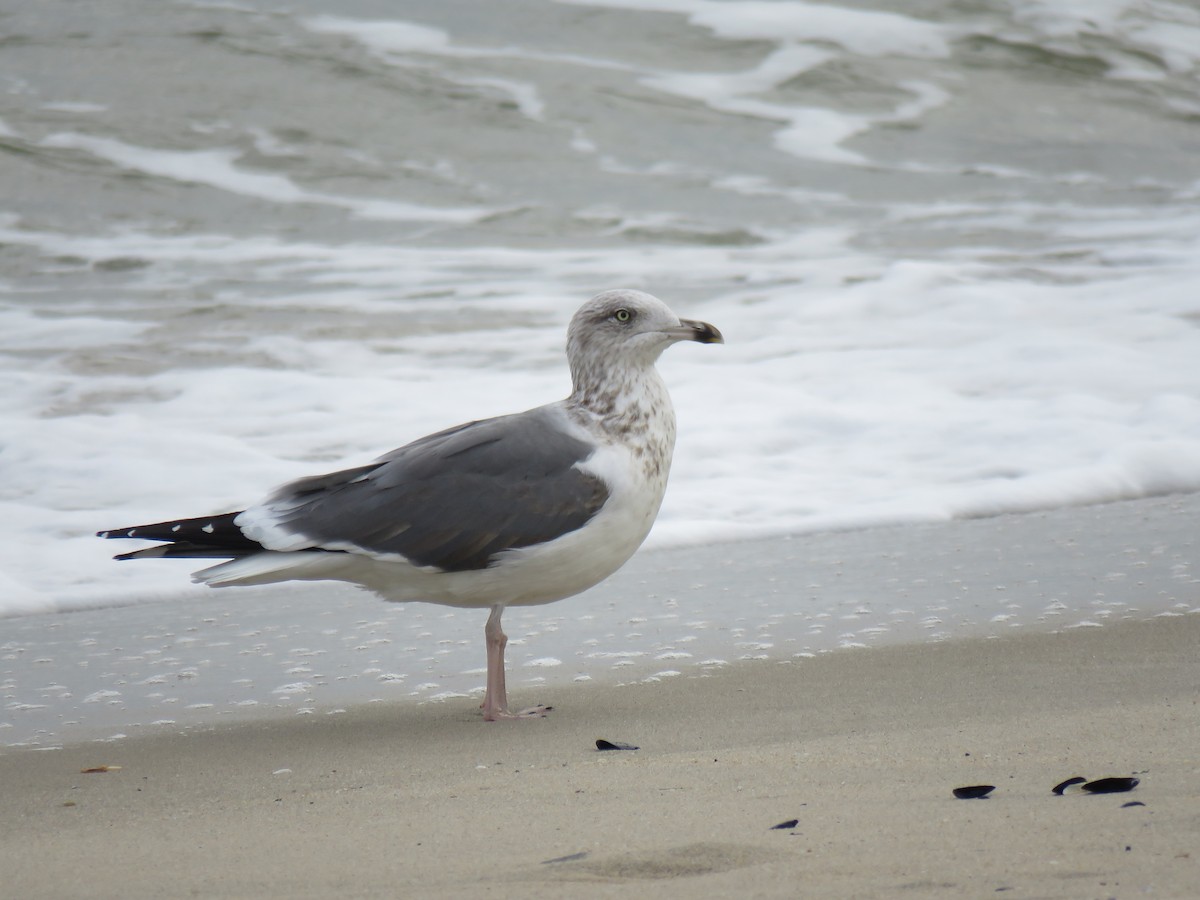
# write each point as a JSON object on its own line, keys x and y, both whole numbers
{"x": 694, "y": 330}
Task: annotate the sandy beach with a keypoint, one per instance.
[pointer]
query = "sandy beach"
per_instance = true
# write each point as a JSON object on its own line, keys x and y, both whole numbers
{"x": 862, "y": 747}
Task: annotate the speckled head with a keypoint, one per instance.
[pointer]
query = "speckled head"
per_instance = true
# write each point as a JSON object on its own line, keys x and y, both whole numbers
{"x": 628, "y": 328}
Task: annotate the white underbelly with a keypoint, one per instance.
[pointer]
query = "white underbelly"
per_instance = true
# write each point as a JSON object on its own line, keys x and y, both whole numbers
{"x": 527, "y": 576}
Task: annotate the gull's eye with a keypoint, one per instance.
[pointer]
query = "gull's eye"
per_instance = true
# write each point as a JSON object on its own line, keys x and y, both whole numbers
{"x": 622, "y": 315}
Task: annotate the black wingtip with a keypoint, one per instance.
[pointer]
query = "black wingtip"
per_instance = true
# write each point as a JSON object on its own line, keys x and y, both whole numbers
{"x": 216, "y": 537}
{"x": 143, "y": 554}
{"x": 112, "y": 533}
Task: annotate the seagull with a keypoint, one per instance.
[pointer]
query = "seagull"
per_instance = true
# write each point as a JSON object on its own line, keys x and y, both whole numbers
{"x": 517, "y": 510}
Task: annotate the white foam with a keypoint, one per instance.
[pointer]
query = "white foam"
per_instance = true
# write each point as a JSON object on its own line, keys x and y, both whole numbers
{"x": 1168, "y": 33}
{"x": 216, "y": 169}
{"x": 852, "y": 390}
{"x": 392, "y": 37}
{"x": 1047, "y": 359}
{"x": 861, "y": 31}
{"x": 523, "y": 95}
{"x": 810, "y": 132}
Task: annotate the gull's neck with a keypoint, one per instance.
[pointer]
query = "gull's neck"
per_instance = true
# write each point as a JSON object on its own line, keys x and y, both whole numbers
{"x": 630, "y": 405}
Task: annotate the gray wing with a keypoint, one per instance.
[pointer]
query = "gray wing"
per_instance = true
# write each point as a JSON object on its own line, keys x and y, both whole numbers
{"x": 453, "y": 499}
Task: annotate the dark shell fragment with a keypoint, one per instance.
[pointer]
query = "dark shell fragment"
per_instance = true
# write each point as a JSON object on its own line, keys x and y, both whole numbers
{"x": 602, "y": 744}
{"x": 790, "y": 823}
{"x": 1062, "y": 786}
{"x": 974, "y": 791}
{"x": 1110, "y": 785}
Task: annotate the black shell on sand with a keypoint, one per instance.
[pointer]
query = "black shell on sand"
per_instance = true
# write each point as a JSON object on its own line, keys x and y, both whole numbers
{"x": 602, "y": 744}
{"x": 1063, "y": 785}
{"x": 1110, "y": 785}
{"x": 974, "y": 792}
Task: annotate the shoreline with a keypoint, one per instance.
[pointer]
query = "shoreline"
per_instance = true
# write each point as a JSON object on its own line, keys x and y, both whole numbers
{"x": 244, "y": 654}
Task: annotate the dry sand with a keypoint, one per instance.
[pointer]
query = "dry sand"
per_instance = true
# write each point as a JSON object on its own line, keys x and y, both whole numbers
{"x": 862, "y": 747}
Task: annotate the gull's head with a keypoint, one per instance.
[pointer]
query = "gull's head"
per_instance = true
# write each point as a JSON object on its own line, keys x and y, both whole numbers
{"x": 628, "y": 328}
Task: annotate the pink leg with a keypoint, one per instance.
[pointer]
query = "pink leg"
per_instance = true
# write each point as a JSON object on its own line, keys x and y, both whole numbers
{"x": 495, "y": 699}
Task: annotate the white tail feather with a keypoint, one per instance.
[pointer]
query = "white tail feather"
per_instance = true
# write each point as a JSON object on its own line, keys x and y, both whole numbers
{"x": 270, "y": 567}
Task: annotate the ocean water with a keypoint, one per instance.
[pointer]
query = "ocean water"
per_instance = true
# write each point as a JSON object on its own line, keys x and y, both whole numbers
{"x": 954, "y": 248}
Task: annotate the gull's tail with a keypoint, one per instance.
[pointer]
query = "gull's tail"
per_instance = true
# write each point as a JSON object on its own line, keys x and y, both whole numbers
{"x": 219, "y": 537}
{"x": 208, "y": 537}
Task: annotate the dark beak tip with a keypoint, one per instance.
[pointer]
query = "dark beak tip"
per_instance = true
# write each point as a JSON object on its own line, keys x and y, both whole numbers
{"x": 702, "y": 332}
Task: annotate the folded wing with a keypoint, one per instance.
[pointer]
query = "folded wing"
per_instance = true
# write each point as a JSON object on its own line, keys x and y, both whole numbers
{"x": 450, "y": 501}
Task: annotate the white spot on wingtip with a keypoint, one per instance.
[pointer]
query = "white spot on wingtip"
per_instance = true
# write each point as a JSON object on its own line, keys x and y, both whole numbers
{"x": 208, "y": 529}
{"x": 130, "y": 532}
{"x": 176, "y": 527}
